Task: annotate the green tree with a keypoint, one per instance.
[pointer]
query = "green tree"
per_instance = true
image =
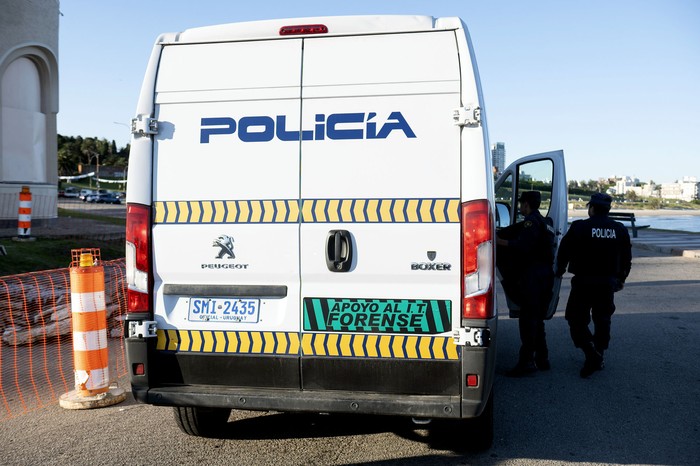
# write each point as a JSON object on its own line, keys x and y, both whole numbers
{"x": 73, "y": 151}
{"x": 67, "y": 161}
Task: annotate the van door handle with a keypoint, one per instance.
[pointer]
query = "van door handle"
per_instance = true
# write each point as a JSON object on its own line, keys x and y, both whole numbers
{"x": 339, "y": 250}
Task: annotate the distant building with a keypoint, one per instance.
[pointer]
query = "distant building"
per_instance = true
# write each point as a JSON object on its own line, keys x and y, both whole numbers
{"x": 685, "y": 190}
{"x": 645, "y": 190}
{"x": 624, "y": 184}
{"x": 688, "y": 189}
{"x": 498, "y": 155}
{"x": 28, "y": 107}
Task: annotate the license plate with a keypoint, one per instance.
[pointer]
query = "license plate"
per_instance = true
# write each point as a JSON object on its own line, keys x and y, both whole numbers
{"x": 224, "y": 310}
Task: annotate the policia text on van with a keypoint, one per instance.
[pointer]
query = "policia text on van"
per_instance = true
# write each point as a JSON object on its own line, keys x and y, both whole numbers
{"x": 335, "y": 126}
{"x": 333, "y": 247}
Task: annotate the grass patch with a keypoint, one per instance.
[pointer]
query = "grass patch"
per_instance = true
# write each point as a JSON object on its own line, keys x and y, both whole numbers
{"x": 69, "y": 213}
{"x": 46, "y": 254}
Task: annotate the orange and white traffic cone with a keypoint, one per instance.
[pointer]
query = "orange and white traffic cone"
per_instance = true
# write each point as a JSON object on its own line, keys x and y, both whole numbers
{"x": 24, "y": 214}
{"x": 90, "y": 351}
{"x": 90, "y": 345}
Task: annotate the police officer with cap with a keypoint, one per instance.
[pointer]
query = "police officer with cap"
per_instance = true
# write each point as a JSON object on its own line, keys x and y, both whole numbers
{"x": 529, "y": 246}
{"x": 598, "y": 252}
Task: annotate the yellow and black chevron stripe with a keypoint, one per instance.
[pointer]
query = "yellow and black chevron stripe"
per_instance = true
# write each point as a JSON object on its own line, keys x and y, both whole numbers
{"x": 380, "y": 210}
{"x": 254, "y": 211}
{"x": 310, "y": 344}
{"x": 207, "y": 341}
{"x": 378, "y": 346}
{"x": 309, "y": 211}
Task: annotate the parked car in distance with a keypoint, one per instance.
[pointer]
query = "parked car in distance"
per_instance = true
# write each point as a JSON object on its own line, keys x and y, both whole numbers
{"x": 105, "y": 198}
{"x": 84, "y": 193}
{"x": 70, "y": 192}
{"x": 93, "y": 193}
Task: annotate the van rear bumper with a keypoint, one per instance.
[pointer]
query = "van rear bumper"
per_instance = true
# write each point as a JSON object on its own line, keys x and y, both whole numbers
{"x": 431, "y": 389}
{"x": 256, "y": 399}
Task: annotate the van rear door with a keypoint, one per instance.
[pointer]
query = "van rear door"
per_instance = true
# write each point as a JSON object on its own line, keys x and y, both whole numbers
{"x": 380, "y": 232}
{"x": 226, "y": 211}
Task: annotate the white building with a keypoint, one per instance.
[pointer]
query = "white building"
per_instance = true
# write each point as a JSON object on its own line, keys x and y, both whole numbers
{"x": 686, "y": 190}
{"x": 624, "y": 184}
{"x": 645, "y": 190}
{"x": 28, "y": 106}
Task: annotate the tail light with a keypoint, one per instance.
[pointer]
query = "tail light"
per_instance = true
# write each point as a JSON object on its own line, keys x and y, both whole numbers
{"x": 477, "y": 260}
{"x": 138, "y": 267}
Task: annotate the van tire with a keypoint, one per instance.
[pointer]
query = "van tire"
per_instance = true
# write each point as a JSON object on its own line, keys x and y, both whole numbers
{"x": 480, "y": 429}
{"x": 201, "y": 422}
{"x": 464, "y": 435}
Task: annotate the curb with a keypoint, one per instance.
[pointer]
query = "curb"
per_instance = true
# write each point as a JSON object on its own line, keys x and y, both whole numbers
{"x": 689, "y": 253}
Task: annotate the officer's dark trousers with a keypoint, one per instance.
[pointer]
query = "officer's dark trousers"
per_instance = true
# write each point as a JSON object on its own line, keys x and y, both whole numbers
{"x": 590, "y": 297}
{"x": 533, "y": 339}
{"x": 536, "y": 292}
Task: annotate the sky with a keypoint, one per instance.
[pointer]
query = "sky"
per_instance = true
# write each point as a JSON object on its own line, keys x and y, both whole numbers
{"x": 615, "y": 84}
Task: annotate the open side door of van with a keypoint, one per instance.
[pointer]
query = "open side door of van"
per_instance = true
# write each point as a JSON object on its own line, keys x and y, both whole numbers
{"x": 545, "y": 173}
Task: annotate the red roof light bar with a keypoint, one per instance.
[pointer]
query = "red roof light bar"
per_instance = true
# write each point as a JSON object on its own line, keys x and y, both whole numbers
{"x": 303, "y": 29}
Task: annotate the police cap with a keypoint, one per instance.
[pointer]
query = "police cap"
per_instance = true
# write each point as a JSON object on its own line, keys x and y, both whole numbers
{"x": 601, "y": 199}
{"x": 533, "y": 198}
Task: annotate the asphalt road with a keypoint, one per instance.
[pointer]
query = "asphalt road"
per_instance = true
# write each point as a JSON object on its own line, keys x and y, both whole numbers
{"x": 644, "y": 408}
{"x": 110, "y": 210}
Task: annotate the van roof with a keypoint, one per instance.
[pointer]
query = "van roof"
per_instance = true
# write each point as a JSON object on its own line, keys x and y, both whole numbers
{"x": 337, "y": 25}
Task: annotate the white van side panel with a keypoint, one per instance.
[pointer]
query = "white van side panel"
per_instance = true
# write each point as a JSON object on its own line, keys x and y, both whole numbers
{"x": 475, "y": 143}
{"x": 138, "y": 189}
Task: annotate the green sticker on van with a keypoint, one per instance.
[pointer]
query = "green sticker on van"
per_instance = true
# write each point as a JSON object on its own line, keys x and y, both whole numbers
{"x": 377, "y": 315}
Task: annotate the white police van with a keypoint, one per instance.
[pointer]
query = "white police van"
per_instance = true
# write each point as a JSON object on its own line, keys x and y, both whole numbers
{"x": 310, "y": 223}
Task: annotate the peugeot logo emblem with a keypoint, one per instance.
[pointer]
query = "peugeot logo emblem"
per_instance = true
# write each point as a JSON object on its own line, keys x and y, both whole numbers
{"x": 225, "y": 243}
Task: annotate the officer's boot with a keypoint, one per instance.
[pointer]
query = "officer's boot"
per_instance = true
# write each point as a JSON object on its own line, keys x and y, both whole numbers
{"x": 600, "y": 346}
{"x": 542, "y": 361}
{"x": 594, "y": 361}
{"x": 525, "y": 366}
{"x": 542, "y": 356}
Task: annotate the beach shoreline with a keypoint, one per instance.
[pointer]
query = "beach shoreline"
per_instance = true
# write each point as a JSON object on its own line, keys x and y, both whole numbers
{"x": 641, "y": 212}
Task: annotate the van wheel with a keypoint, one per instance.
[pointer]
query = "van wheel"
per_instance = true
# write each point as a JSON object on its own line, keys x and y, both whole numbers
{"x": 480, "y": 429}
{"x": 201, "y": 422}
{"x": 464, "y": 435}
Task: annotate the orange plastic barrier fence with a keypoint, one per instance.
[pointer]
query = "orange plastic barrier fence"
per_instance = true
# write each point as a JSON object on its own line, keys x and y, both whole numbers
{"x": 36, "y": 341}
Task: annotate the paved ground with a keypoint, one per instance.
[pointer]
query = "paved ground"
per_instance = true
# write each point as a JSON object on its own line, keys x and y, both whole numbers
{"x": 669, "y": 242}
{"x": 642, "y": 409}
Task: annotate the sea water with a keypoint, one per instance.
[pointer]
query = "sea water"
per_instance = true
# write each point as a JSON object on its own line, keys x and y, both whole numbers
{"x": 670, "y": 222}
{"x": 675, "y": 222}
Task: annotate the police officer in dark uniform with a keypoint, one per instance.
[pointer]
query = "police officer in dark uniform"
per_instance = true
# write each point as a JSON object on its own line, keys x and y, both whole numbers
{"x": 599, "y": 254}
{"x": 529, "y": 248}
